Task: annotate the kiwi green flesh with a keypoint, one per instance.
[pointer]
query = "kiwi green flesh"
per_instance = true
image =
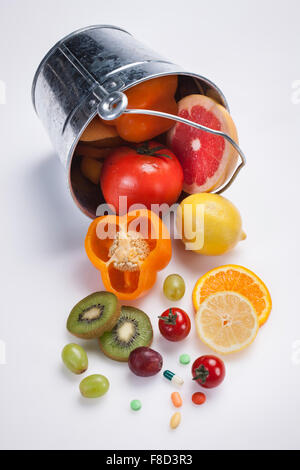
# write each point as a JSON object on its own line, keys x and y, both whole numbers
{"x": 94, "y": 315}
{"x": 132, "y": 330}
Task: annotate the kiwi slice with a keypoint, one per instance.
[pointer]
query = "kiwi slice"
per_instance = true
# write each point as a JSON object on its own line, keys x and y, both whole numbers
{"x": 132, "y": 330}
{"x": 94, "y": 315}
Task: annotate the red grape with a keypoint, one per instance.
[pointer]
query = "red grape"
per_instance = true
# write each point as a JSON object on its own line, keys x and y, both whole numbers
{"x": 145, "y": 362}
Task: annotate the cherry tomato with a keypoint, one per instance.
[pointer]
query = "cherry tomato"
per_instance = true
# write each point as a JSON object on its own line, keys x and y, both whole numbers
{"x": 208, "y": 371}
{"x": 147, "y": 174}
{"x": 174, "y": 324}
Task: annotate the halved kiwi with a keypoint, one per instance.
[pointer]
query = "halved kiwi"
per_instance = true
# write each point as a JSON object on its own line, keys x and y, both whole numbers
{"x": 132, "y": 330}
{"x": 94, "y": 315}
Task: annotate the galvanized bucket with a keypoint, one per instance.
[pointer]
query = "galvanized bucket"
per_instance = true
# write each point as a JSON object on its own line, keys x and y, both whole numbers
{"x": 85, "y": 74}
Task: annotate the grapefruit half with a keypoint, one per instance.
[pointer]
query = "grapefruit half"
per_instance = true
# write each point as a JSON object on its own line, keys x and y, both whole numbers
{"x": 207, "y": 160}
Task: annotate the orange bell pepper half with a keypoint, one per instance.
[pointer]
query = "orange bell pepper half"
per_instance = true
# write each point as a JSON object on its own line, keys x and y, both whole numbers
{"x": 156, "y": 94}
{"x": 129, "y": 250}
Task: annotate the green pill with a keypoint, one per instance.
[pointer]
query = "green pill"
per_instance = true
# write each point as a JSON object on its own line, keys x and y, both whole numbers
{"x": 184, "y": 359}
{"x": 135, "y": 405}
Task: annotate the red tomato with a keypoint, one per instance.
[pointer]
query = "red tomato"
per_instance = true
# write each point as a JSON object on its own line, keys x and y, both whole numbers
{"x": 174, "y": 324}
{"x": 147, "y": 174}
{"x": 208, "y": 371}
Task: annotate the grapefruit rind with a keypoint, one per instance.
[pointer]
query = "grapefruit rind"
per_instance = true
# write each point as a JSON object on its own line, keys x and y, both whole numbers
{"x": 226, "y": 322}
{"x": 229, "y": 159}
{"x": 261, "y": 298}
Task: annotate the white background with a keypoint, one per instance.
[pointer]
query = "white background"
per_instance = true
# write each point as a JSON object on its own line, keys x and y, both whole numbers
{"x": 251, "y": 50}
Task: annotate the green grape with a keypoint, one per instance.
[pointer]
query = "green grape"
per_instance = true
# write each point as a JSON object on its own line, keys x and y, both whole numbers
{"x": 94, "y": 386}
{"x": 75, "y": 358}
{"x": 174, "y": 287}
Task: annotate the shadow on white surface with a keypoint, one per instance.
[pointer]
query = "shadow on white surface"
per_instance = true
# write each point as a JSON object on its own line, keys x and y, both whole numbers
{"x": 100, "y": 402}
{"x": 202, "y": 264}
{"x": 85, "y": 275}
{"x": 68, "y": 375}
{"x": 58, "y": 218}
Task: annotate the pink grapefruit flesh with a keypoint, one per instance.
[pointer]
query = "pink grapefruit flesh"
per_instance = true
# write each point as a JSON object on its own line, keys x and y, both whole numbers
{"x": 207, "y": 160}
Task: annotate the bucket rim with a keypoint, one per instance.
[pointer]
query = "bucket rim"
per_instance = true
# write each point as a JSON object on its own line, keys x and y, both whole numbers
{"x": 58, "y": 43}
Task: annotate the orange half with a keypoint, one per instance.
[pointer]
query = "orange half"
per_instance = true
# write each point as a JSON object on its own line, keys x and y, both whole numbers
{"x": 238, "y": 279}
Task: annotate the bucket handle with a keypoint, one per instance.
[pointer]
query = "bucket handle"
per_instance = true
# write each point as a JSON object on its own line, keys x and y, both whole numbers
{"x": 112, "y": 107}
{"x": 114, "y": 103}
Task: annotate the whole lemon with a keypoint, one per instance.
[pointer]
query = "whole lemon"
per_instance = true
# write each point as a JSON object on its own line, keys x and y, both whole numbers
{"x": 209, "y": 224}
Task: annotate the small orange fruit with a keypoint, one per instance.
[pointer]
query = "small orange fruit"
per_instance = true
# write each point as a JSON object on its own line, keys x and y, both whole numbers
{"x": 233, "y": 278}
{"x": 91, "y": 169}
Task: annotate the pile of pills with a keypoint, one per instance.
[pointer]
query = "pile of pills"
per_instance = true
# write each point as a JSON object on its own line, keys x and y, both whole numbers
{"x": 198, "y": 398}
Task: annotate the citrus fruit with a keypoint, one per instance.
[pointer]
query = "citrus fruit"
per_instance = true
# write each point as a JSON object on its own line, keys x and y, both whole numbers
{"x": 209, "y": 224}
{"x": 233, "y": 278}
{"x": 91, "y": 169}
{"x": 226, "y": 322}
{"x": 207, "y": 160}
{"x": 98, "y": 130}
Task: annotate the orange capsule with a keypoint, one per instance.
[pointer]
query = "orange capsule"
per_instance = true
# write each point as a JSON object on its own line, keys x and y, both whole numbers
{"x": 176, "y": 399}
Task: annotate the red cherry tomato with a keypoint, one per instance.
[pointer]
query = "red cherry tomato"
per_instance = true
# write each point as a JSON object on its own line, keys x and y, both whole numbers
{"x": 174, "y": 324}
{"x": 147, "y": 174}
{"x": 208, "y": 371}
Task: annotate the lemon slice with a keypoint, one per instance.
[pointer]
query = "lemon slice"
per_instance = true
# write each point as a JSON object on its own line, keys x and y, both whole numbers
{"x": 226, "y": 322}
{"x": 232, "y": 277}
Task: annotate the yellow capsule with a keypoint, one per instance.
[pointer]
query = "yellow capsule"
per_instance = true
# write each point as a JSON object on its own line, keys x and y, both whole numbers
{"x": 175, "y": 420}
{"x": 176, "y": 399}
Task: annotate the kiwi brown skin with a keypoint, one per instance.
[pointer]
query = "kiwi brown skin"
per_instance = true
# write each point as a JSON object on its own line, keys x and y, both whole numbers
{"x": 108, "y": 326}
{"x": 125, "y": 359}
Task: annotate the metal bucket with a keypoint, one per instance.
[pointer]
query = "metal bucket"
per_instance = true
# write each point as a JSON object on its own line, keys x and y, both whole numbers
{"x": 85, "y": 74}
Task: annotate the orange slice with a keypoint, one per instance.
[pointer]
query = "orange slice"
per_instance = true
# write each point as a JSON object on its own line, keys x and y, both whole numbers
{"x": 226, "y": 322}
{"x": 235, "y": 279}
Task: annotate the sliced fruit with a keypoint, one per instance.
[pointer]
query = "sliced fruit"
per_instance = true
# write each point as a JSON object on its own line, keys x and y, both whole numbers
{"x": 129, "y": 250}
{"x": 239, "y": 279}
{"x": 94, "y": 315}
{"x": 226, "y": 322}
{"x": 132, "y": 330}
{"x": 207, "y": 159}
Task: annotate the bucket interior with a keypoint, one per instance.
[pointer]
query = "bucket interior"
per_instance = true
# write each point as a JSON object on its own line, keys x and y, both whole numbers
{"x": 87, "y": 194}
